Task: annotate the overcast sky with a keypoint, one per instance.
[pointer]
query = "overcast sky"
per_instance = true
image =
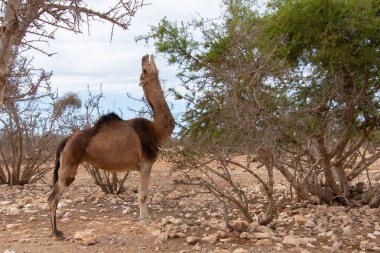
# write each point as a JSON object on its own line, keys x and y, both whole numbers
{"x": 90, "y": 60}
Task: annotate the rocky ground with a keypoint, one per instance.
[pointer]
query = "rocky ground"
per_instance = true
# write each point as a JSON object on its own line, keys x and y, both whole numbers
{"x": 183, "y": 221}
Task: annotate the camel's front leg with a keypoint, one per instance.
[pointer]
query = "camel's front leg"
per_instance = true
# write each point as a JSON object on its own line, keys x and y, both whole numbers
{"x": 143, "y": 194}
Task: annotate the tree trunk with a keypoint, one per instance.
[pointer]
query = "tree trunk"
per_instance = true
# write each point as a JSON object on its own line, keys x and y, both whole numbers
{"x": 8, "y": 33}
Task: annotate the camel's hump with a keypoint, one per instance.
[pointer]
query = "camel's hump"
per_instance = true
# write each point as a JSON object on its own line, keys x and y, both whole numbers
{"x": 107, "y": 118}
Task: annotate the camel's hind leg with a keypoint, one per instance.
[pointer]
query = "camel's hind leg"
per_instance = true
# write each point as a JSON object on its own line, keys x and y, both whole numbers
{"x": 66, "y": 177}
{"x": 145, "y": 170}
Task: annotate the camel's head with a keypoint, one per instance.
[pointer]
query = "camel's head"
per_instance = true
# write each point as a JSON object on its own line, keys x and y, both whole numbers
{"x": 149, "y": 69}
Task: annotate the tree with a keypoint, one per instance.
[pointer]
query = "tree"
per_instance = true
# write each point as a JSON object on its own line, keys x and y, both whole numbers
{"x": 26, "y": 22}
{"x": 223, "y": 77}
{"x": 29, "y": 127}
{"x": 294, "y": 90}
{"x": 332, "y": 48}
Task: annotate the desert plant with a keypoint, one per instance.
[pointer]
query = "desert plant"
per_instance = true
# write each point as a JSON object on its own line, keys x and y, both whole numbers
{"x": 29, "y": 127}
{"x": 297, "y": 96}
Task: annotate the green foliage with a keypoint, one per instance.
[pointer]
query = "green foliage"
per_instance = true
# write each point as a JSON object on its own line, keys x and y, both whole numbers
{"x": 332, "y": 33}
{"x": 302, "y": 69}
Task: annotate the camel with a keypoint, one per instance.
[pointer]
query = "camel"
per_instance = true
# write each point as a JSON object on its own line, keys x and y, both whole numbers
{"x": 114, "y": 144}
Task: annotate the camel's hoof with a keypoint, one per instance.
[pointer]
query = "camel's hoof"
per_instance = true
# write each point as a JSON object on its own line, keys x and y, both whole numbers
{"x": 58, "y": 236}
{"x": 145, "y": 221}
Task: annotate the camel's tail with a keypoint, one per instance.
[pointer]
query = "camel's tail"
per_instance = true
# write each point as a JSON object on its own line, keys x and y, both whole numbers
{"x": 57, "y": 159}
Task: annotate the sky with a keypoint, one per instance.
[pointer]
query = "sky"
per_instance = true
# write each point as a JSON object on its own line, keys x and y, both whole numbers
{"x": 91, "y": 60}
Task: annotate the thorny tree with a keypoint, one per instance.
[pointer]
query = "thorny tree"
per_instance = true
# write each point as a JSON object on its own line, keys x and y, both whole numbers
{"x": 25, "y": 23}
{"x": 291, "y": 95}
{"x": 223, "y": 79}
{"x": 29, "y": 126}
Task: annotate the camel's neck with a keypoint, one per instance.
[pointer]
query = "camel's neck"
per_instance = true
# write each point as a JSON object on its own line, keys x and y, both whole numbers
{"x": 163, "y": 120}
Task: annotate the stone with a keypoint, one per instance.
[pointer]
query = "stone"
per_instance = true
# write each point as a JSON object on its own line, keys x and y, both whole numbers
{"x": 336, "y": 245}
{"x": 366, "y": 245}
{"x": 9, "y": 251}
{"x": 262, "y": 236}
{"x": 85, "y": 237}
{"x": 309, "y": 224}
{"x": 13, "y": 211}
{"x": 300, "y": 219}
{"x": 163, "y": 237}
{"x": 156, "y": 232}
{"x": 226, "y": 240}
{"x": 240, "y": 250}
{"x": 13, "y": 226}
{"x": 246, "y": 235}
{"x": 239, "y": 225}
{"x": 371, "y": 236}
{"x": 264, "y": 242}
{"x": 212, "y": 239}
{"x": 192, "y": 240}
{"x": 296, "y": 241}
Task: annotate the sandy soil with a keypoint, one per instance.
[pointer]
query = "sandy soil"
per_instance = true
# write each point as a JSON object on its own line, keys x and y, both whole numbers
{"x": 25, "y": 225}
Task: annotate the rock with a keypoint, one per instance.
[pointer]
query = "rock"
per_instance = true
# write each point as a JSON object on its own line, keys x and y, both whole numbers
{"x": 264, "y": 242}
{"x": 226, "y": 240}
{"x": 365, "y": 245}
{"x": 192, "y": 240}
{"x": 309, "y": 224}
{"x": 12, "y": 226}
{"x": 253, "y": 226}
{"x": 262, "y": 236}
{"x": 239, "y": 225}
{"x": 336, "y": 245}
{"x": 296, "y": 241}
{"x": 10, "y": 251}
{"x": 246, "y": 235}
{"x": 84, "y": 218}
{"x": 13, "y": 211}
{"x": 163, "y": 237}
{"x": 347, "y": 231}
{"x": 300, "y": 219}
{"x": 156, "y": 232}
{"x": 371, "y": 236}
{"x": 212, "y": 239}
{"x": 188, "y": 215}
{"x": 240, "y": 250}
{"x": 85, "y": 237}
{"x": 263, "y": 229}
{"x": 376, "y": 233}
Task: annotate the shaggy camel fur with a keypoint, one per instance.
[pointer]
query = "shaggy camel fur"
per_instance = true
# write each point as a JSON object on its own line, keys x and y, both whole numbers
{"x": 114, "y": 144}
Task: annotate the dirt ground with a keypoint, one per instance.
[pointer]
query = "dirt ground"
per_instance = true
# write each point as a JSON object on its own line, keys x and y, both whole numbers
{"x": 113, "y": 222}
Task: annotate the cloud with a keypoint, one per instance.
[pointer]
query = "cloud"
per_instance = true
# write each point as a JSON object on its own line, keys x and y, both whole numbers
{"x": 84, "y": 60}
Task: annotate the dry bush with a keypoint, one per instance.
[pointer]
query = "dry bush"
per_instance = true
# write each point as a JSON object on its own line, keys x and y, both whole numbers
{"x": 29, "y": 128}
{"x": 109, "y": 182}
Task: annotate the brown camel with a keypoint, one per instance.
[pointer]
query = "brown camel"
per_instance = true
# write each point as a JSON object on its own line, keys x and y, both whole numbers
{"x": 114, "y": 144}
